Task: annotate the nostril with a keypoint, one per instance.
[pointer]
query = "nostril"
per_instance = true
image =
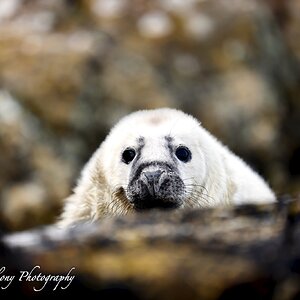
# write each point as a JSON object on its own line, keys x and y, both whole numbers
{"x": 153, "y": 176}
{"x": 152, "y": 181}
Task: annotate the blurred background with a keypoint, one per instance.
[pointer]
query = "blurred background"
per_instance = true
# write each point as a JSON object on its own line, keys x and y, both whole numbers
{"x": 70, "y": 69}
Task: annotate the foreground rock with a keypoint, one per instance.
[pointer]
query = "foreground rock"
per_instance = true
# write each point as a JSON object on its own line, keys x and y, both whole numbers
{"x": 244, "y": 253}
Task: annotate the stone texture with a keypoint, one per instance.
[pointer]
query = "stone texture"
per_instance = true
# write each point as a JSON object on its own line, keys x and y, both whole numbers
{"x": 250, "y": 252}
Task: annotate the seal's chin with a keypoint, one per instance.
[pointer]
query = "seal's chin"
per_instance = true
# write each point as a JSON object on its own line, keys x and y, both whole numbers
{"x": 153, "y": 203}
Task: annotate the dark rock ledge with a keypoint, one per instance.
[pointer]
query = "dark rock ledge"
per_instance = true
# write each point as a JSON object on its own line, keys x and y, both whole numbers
{"x": 249, "y": 252}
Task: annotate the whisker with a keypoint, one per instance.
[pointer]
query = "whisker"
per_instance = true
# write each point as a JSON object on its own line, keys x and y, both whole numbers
{"x": 198, "y": 197}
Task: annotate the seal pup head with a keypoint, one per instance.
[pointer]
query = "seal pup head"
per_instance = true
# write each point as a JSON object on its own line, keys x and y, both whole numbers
{"x": 151, "y": 160}
{"x": 165, "y": 159}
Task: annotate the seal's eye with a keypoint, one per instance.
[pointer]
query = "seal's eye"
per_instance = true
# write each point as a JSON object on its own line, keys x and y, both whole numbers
{"x": 183, "y": 153}
{"x": 128, "y": 155}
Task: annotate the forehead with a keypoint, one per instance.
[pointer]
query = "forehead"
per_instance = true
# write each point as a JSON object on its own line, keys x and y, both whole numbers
{"x": 152, "y": 135}
{"x": 155, "y": 126}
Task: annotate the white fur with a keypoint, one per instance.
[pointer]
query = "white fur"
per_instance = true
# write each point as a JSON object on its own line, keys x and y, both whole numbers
{"x": 215, "y": 175}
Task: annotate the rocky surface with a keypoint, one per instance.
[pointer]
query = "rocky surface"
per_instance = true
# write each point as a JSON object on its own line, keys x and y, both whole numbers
{"x": 70, "y": 69}
{"x": 250, "y": 252}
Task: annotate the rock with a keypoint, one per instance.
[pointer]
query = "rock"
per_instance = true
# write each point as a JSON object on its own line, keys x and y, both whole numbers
{"x": 250, "y": 252}
{"x": 33, "y": 176}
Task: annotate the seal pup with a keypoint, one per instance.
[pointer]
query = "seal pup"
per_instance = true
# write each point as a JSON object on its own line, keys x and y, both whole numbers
{"x": 161, "y": 158}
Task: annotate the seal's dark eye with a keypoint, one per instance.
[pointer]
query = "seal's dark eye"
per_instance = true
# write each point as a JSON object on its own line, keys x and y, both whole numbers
{"x": 128, "y": 155}
{"x": 183, "y": 154}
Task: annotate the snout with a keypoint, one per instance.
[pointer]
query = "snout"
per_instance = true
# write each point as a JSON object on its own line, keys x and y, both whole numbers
{"x": 153, "y": 181}
{"x": 156, "y": 188}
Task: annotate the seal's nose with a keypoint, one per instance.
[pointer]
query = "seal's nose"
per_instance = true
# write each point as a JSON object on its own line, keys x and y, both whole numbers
{"x": 152, "y": 181}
